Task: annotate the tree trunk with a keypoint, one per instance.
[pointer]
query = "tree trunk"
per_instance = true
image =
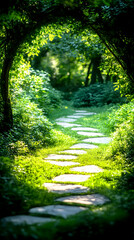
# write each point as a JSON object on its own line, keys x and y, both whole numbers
{"x": 7, "y": 110}
{"x": 88, "y": 72}
{"x": 94, "y": 72}
{"x": 100, "y": 79}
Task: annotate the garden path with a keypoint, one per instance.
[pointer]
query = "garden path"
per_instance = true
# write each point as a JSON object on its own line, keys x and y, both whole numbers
{"x": 66, "y": 183}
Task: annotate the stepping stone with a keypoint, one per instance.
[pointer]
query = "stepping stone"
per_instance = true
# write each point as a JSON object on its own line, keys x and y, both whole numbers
{"x": 63, "y": 124}
{"x": 98, "y": 140}
{"x": 66, "y": 119}
{"x": 57, "y": 210}
{"x": 56, "y": 156}
{"x": 93, "y": 199}
{"x": 65, "y": 188}
{"x": 24, "y": 219}
{"x": 73, "y": 116}
{"x": 84, "y": 145}
{"x": 84, "y": 129}
{"x": 90, "y": 134}
{"x": 71, "y": 178}
{"x": 78, "y": 152}
{"x": 85, "y": 113}
{"x": 88, "y": 169}
{"x": 64, "y": 164}
{"x": 80, "y": 111}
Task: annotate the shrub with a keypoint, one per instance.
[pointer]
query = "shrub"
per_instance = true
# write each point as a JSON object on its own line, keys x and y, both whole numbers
{"x": 97, "y": 95}
{"x": 32, "y": 98}
{"x": 36, "y": 85}
{"x": 122, "y": 145}
{"x": 120, "y": 114}
{"x": 126, "y": 180}
{"x": 34, "y": 125}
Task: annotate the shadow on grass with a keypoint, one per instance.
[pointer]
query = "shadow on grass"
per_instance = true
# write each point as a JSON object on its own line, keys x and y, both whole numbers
{"x": 88, "y": 225}
{"x": 17, "y": 196}
{"x": 112, "y": 220}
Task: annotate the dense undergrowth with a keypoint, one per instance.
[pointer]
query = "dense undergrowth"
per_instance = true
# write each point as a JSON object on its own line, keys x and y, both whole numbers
{"x": 97, "y": 94}
{"x": 33, "y": 98}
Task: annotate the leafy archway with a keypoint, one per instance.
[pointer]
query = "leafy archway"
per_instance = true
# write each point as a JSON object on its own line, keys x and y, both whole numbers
{"x": 21, "y": 21}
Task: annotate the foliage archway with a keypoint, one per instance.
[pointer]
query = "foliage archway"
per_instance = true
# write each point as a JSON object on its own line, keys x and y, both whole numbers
{"x": 21, "y": 21}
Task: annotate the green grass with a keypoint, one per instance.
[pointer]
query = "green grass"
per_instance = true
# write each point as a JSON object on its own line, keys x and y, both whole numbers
{"x": 23, "y": 176}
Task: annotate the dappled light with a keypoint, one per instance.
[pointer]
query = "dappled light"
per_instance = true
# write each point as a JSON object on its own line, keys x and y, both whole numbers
{"x": 66, "y": 119}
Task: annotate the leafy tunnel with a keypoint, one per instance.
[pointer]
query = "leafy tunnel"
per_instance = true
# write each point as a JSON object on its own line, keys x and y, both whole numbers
{"x": 21, "y": 23}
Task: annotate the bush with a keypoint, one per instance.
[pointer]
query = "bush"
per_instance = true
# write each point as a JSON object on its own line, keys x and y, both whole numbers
{"x": 36, "y": 86}
{"x": 120, "y": 114}
{"x": 97, "y": 95}
{"x": 121, "y": 148}
{"x": 31, "y": 129}
{"x": 126, "y": 180}
{"x": 34, "y": 125}
{"x": 122, "y": 145}
{"x": 32, "y": 99}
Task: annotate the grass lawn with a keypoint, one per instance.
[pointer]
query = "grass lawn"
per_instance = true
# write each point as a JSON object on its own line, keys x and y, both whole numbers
{"x": 25, "y": 174}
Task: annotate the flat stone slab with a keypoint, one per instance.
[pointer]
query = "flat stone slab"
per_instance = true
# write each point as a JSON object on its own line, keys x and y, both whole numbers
{"x": 98, "y": 140}
{"x": 65, "y": 188}
{"x": 78, "y": 152}
{"x": 57, "y": 210}
{"x": 93, "y": 199}
{"x": 84, "y": 129}
{"x": 71, "y": 178}
{"x": 90, "y": 134}
{"x": 73, "y": 116}
{"x": 63, "y": 164}
{"x": 84, "y": 145}
{"x": 56, "y": 156}
{"x": 64, "y": 124}
{"x": 65, "y": 119}
{"x": 85, "y": 113}
{"x": 80, "y": 111}
{"x": 25, "y": 219}
{"x": 88, "y": 169}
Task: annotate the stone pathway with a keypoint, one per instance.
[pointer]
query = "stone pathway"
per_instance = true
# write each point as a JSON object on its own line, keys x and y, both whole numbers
{"x": 63, "y": 157}
{"x": 93, "y": 199}
{"x": 25, "y": 219}
{"x": 64, "y": 124}
{"x": 71, "y": 178}
{"x": 57, "y": 210}
{"x": 90, "y": 134}
{"x": 84, "y": 129}
{"x": 61, "y": 188}
{"x": 66, "y": 183}
{"x": 84, "y": 145}
{"x": 77, "y": 152}
{"x": 84, "y": 114}
{"x": 65, "y": 119}
{"x": 98, "y": 140}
